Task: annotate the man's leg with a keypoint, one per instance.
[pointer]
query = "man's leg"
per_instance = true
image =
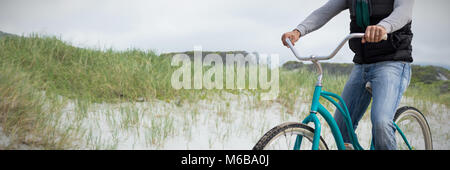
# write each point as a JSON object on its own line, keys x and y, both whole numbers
{"x": 357, "y": 99}
{"x": 389, "y": 81}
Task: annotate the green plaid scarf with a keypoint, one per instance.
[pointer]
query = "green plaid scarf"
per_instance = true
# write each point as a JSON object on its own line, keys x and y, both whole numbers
{"x": 362, "y": 13}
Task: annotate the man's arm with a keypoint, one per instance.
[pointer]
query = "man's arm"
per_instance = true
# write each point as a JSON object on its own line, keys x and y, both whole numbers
{"x": 321, "y": 16}
{"x": 315, "y": 20}
{"x": 401, "y": 16}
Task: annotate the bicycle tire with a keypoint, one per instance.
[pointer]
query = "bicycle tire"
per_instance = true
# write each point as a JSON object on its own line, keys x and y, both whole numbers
{"x": 295, "y": 128}
{"x": 411, "y": 112}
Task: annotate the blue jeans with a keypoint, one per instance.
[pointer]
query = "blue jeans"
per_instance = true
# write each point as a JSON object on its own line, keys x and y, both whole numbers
{"x": 388, "y": 80}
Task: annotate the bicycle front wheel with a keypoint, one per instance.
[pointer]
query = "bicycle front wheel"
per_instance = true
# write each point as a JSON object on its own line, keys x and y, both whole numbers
{"x": 283, "y": 137}
{"x": 415, "y": 129}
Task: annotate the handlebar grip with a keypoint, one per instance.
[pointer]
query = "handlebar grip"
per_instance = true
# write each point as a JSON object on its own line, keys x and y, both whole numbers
{"x": 288, "y": 41}
{"x": 385, "y": 37}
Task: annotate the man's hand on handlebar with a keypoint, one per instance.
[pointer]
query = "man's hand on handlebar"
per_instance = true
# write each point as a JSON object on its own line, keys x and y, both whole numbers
{"x": 293, "y": 36}
{"x": 374, "y": 34}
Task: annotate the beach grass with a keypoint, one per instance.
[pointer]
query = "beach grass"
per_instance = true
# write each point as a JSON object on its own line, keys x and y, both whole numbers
{"x": 41, "y": 75}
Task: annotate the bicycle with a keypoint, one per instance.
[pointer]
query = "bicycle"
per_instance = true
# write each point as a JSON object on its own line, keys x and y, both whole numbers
{"x": 295, "y": 131}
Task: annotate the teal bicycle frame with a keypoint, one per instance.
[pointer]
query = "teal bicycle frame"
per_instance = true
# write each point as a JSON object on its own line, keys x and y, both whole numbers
{"x": 317, "y": 107}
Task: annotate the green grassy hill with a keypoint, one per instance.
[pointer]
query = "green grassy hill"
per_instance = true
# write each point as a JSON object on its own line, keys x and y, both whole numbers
{"x": 421, "y": 74}
{"x": 2, "y": 34}
{"x": 423, "y": 77}
{"x": 39, "y": 74}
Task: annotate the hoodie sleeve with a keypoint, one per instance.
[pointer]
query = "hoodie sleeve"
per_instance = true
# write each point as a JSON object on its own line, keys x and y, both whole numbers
{"x": 401, "y": 16}
{"x": 321, "y": 16}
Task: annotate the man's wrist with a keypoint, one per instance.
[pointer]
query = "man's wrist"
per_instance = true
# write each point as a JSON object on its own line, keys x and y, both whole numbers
{"x": 387, "y": 27}
{"x": 297, "y": 32}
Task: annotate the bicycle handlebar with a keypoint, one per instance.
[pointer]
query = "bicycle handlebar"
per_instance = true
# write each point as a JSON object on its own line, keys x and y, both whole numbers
{"x": 338, "y": 48}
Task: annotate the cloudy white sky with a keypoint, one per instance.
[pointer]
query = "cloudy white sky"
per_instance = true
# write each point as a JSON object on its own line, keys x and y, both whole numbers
{"x": 179, "y": 25}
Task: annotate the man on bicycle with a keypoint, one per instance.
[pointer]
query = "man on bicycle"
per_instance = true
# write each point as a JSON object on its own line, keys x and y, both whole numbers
{"x": 383, "y": 64}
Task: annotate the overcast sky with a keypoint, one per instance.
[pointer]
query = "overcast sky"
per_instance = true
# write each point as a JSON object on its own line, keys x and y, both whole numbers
{"x": 179, "y": 25}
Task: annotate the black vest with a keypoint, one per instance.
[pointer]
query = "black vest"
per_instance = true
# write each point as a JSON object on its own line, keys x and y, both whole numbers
{"x": 396, "y": 48}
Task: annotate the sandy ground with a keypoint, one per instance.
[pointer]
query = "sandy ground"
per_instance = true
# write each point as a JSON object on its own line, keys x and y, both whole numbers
{"x": 231, "y": 122}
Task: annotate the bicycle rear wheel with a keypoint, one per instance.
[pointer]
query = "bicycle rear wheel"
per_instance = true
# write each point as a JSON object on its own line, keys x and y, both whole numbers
{"x": 283, "y": 137}
{"x": 415, "y": 128}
